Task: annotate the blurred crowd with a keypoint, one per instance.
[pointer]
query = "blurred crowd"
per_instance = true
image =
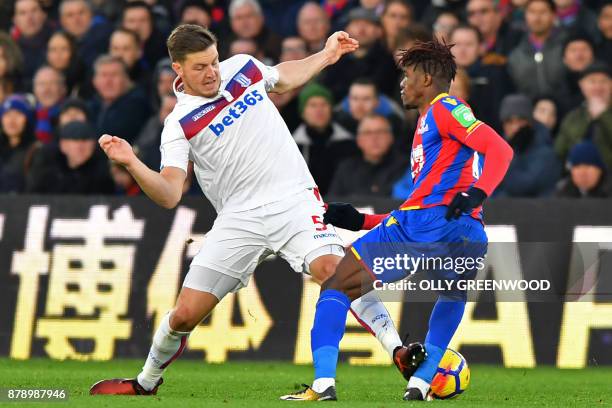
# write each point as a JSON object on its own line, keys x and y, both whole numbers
{"x": 538, "y": 71}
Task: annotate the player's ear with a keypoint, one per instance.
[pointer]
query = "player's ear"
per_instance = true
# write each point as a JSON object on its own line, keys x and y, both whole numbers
{"x": 178, "y": 68}
{"x": 427, "y": 80}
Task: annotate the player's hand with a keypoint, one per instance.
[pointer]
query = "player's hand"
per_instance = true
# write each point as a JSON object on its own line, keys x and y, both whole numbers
{"x": 344, "y": 215}
{"x": 465, "y": 202}
{"x": 117, "y": 149}
{"x": 338, "y": 44}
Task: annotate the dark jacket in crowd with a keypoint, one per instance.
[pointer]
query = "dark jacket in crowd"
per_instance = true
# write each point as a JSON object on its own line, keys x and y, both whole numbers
{"x": 155, "y": 48}
{"x": 377, "y": 64}
{"x": 50, "y": 174}
{"x": 535, "y": 169}
{"x": 324, "y": 150}
{"x": 507, "y": 39}
{"x": 489, "y": 84}
{"x": 578, "y": 126}
{"x": 95, "y": 42}
{"x": 13, "y": 163}
{"x": 567, "y": 189}
{"x": 34, "y": 50}
{"x": 355, "y": 176}
{"x": 571, "y": 94}
{"x": 533, "y": 78}
{"x": 124, "y": 117}
{"x": 148, "y": 141}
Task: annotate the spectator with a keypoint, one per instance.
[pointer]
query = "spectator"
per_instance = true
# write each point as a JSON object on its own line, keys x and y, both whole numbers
{"x": 545, "y": 112}
{"x": 534, "y": 63}
{"x": 438, "y": 7}
{"x": 313, "y": 26}
{"x": 498, "y": 37}
{"x": 72, "y": 110}
{"x": 49, "y": 90}
{"x": 578, "y": 53}
{"x": 588, "y": 176}
{"x": 406, "y": 39}
{"x": 370, "y": 60}
{"x": 163, "y": 79}
{"x": 77, "y": 18}
{"x": 461, "y": 85}
{"x": 534, "y": 169}
{"x": 125, "y": 44}
{"x": 11, "y": 63}
{"x": 31, "y": 31}
{"x": 120, "y": 109}
{"x": 364, "y": 99}
{"x": 488, "y": 78}
{"x": 604, "y": 23}
{"x": 445, "y": 22}
{"x": 138, "y": 17}
{"x": 323, "y": 143}
{"x": 196, "y": 12}
{"x": 125, "y": 184}
{"x": 249, "y": 47}
{"x": 148, "y": 141}
{"x": 377, "y": 6}
{"x": 516, "y": 19}
{"x": 396, "y": 17}
{"x": 74, "y": 166}
{"x": 62, "y": 55}
{"x": 247, "y": 22}
{"x": 593, "y": 119}
{"x": 572, "y": 15}
{"x": 293, "y": 48}
{"x": 16, "y": 138}
{"x": 337, "y": 10}
{"x": 379, "y": 166}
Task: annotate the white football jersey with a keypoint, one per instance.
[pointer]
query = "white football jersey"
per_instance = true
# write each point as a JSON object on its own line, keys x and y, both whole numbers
{"x": 243, "y": 153}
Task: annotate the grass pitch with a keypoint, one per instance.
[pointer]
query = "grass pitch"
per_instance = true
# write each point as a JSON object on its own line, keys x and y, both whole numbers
{"x": 252, "y": 385}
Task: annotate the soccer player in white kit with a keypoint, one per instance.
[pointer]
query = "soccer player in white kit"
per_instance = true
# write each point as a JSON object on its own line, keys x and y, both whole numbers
{"x": 251, "y": 170}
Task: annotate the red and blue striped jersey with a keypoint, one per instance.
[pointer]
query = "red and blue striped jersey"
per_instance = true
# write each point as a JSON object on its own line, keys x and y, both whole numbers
{"x": 442, "y": 164}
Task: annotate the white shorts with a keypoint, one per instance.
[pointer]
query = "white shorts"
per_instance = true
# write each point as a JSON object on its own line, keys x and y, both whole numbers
{"x": 238, "y": 241}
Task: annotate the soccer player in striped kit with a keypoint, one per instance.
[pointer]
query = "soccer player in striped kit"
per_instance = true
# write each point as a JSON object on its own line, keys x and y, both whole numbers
{"x": 457, "y": 161}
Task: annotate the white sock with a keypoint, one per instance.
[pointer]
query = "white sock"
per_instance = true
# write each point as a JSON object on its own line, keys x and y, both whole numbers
{"x": 371, "y": 311}
{"x": 167, "y": 345}
{"x": 321, "y": 384}
{"x": 416, "y": 382}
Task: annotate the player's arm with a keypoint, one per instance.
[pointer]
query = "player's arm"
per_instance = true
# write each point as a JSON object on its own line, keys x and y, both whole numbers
{"x": 165, "y": 188}
{"x": 293, "y": 74}
{"x": 482, "y": 138}
{"x": 344, "y": 215}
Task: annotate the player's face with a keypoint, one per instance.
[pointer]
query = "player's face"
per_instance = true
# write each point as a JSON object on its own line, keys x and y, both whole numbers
{"x": 411, "y": 88}
{"x": 200, "y": 72}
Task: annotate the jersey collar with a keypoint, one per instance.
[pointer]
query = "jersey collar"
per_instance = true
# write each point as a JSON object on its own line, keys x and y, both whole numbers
{"x": 437, "y": 98}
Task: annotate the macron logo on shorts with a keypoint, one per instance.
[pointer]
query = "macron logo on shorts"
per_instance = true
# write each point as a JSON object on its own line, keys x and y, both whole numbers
{"x": 204, "y": 115}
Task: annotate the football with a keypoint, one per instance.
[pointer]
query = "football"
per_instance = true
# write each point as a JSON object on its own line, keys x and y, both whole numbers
{"x": 452, "y": 377}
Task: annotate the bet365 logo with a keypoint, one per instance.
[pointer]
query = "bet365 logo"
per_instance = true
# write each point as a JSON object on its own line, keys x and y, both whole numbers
{"x": 236, "y": 111}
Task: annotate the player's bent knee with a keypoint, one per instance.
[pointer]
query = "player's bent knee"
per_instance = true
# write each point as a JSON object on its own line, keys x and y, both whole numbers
{"x": 325, "y": 269}
{"x": 184, "y": 319}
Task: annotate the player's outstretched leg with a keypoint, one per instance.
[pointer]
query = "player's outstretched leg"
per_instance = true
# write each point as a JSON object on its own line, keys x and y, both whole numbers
{"x": 372, "y": 314}
{"x": 170, "y": 339}
{"x": 443, "y": 322}
{"x": 337, "y": 293}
